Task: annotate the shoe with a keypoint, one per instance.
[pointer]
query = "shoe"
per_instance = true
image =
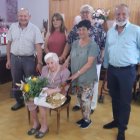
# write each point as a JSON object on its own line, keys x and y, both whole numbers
{"x": 32, "y": 131}
{"x": 76, "y": 108}
{"x": 40, "y": 134}
{"x": 80, "y": 122}
{"x": 17, "y": 106}
{"x": 92, "y": 110}
{"x": 121, "y": 136}
{"x": 110, "y": 125}
{"x": 86, "y": 124}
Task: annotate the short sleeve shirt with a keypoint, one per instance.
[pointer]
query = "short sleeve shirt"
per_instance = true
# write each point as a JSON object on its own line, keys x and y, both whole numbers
{"x": 60, "y": 77}
{"x": 24, "y": 40}
{"x": 79, "y": 57}
{"x": 97, "y": 34}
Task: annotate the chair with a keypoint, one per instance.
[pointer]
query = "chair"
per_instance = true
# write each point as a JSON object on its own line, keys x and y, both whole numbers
{"x": 103, "y": 87}
{"x": 136, "y": 87}
{"x": 58, "y": 110}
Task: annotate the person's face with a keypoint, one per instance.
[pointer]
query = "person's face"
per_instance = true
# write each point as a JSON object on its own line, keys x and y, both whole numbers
{"x": 83, "y": 32}
{"x": 85, "y": 15}
{"x": 51, "y": 64}
{"x": 23, "y": 17}
{"x": 122, "y": 16}
{"x": 56, "y": 22}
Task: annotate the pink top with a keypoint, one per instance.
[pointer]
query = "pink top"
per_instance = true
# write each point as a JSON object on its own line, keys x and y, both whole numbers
{"x": 56, "y": 42}
{"x": 57, "y": 79}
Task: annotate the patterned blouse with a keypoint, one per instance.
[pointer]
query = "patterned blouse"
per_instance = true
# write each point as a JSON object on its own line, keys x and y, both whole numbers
{"x": 97, "y": 33}
{"x": 55, "y": 81}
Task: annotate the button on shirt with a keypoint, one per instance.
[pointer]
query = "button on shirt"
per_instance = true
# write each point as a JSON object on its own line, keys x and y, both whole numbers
{"x": 24, "y": 40}
{"x": 122, "y": 49}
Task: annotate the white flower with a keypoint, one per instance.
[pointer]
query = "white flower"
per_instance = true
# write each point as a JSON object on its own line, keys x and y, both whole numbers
{"x": 100, "y": 15}
{"x": 21, "y": 85}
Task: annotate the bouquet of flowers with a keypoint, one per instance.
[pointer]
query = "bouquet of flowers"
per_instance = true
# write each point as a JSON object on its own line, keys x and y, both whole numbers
{"x": 100, "y": 15}
{"x": 32, "y": 87}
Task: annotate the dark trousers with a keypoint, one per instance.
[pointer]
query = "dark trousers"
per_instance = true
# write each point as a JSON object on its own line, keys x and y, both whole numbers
{"x": 120, "y": 84}
{"x": 21, "y": 67}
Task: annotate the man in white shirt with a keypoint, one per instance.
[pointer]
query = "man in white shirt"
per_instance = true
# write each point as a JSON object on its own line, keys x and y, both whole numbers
{"x": 24, "y": 40}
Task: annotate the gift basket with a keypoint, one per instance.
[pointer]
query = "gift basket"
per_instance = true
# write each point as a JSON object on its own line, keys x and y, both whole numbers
{"x": 52, "y": 101}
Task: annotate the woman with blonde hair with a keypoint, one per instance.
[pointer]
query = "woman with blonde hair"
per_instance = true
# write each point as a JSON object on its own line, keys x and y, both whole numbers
{"x": 56, "y": 41}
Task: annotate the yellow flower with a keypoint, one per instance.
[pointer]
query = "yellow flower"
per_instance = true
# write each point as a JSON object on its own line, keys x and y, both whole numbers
{"x": 32, "y": 86}
{"x": 34, "y": 79}
{"x": 26, "y": 88}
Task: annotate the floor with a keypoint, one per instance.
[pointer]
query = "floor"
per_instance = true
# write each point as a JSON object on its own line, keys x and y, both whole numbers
{"x": 14, "y": 125}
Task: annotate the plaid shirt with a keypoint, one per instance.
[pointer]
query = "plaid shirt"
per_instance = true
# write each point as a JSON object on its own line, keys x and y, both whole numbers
{"x": 96, "y": 32}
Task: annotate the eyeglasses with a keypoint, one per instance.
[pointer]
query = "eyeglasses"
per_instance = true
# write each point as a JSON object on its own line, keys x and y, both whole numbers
{"x": 84, "y": 12}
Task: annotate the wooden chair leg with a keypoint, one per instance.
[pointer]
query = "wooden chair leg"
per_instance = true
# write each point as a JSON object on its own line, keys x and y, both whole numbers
{"x": 50, "y": 111}
{"x": 58, "y": 121}
{"x": 68, "y": 112}
{"x": 29, "y": 117}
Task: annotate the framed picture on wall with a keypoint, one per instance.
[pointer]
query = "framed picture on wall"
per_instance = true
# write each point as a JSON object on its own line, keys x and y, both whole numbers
{"x": 11, "y": 9}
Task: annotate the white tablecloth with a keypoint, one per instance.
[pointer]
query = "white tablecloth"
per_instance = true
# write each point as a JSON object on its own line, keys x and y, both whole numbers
{"x": 2, "y": 50}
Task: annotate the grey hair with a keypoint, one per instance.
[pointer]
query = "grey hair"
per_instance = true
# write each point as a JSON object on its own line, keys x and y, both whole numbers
{"x": 122, "y": 5}
{"x": 86, "y": 7}
{"x": 24, "y": 9}
{"x": 52, "y": 56}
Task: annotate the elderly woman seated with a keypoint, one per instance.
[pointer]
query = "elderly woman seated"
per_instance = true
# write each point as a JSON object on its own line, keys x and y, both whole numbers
{"x": 56, "y": 77}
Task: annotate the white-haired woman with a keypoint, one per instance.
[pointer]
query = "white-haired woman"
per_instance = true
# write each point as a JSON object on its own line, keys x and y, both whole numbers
{"x": 56, "y": 76}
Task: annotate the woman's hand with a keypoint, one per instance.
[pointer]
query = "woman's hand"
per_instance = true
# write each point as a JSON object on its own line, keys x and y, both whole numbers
{"x": 74, "y": 76}
{"x": 66, "y": 63}
{"x": 61, "y": 60}
{"x": 51, "y": 91}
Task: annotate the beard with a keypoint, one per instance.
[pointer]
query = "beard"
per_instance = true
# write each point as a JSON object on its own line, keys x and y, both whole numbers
{"x": 121, "y": 23}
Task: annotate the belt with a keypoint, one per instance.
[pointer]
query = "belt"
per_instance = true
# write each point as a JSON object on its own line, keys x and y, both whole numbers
{"x": 22, "y": 56}
{"x": 125, "y": 67}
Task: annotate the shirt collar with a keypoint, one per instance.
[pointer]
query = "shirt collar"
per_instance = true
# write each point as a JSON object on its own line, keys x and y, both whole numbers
{"x": 26, "y": 26}
{"x": 126, "y": 25}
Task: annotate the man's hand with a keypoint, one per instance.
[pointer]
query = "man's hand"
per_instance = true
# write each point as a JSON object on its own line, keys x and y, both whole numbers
{"x": 8, "y": 65}
{"x": 39, "y": 67}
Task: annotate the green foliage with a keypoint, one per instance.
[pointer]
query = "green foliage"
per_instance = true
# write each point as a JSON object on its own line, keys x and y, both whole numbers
{"x": 33, "y": 86}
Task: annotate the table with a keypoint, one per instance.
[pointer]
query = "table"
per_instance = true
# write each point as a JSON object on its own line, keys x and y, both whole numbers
{"x": 5, "y": 74}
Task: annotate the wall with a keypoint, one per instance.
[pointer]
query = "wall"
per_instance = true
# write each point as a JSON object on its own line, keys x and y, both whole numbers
{"x": 3, "y": 9}
{"x": 8, "y": 10}
{"x": 71, "y": 8}
{"x": 39, "y": 10}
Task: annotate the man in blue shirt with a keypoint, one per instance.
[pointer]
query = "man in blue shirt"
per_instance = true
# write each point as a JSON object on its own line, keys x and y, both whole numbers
{"x": 122, "y": 53}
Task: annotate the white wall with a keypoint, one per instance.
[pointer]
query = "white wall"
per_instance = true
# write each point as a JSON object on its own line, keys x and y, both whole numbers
{"x": 39, "y": 10}
{"x": 3, "y": 9}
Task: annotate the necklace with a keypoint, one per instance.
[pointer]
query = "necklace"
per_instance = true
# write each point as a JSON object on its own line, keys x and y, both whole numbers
{"x": 52, "y": 75}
